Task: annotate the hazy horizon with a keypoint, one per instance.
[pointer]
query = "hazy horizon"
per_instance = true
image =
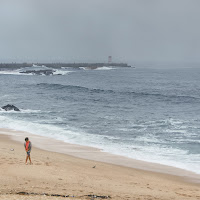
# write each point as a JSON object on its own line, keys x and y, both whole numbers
{"x": 130, "y": 31}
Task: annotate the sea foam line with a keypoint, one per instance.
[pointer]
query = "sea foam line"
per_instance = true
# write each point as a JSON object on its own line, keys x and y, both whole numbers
{"x": 168, "y": 156}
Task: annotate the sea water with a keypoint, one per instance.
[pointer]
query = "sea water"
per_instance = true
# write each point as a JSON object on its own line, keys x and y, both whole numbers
{"x": 145, "y": 113}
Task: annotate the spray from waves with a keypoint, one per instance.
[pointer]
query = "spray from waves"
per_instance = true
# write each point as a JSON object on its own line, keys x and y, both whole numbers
{"x": 55, "y": 71}
{"x": 29, "y": 71}
{"x": 113, "y": 144}
{"x": 61, "y": 72}
{"x": 14, "y": 72}
{"x": 84, "y": 68}
{"x": 105, "y": 68}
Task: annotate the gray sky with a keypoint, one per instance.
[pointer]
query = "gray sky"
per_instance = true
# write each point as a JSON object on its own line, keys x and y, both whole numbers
{"x": 91, "y": 30}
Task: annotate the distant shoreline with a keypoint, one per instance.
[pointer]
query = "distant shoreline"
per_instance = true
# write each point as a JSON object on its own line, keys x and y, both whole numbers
{"x": 60, "y": 65}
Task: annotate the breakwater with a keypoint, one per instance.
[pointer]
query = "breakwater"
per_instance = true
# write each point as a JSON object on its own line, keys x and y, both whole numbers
{"x": 60, "y": 65}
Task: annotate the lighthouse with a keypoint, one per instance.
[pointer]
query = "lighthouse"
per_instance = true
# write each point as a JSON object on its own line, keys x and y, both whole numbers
{"x": 109, "y": 59}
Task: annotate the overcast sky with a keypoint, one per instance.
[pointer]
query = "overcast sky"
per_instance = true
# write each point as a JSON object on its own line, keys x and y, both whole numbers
{"x": 91, "y": 30}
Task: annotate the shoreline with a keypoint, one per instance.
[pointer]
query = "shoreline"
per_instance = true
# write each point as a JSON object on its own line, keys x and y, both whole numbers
{"x": 95, "y": 154}
{"x": 54, "y": 175}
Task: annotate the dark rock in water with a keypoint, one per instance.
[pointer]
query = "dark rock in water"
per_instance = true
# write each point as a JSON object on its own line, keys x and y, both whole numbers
{"x": 39, "y": 72}
{"x": 10, "y": 107}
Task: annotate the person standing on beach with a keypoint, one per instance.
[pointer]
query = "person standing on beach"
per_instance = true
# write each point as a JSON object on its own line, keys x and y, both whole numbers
{"x": 28, "y": 146}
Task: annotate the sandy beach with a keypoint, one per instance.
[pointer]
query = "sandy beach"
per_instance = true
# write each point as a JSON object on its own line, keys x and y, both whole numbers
{"x": 65, "y": 174}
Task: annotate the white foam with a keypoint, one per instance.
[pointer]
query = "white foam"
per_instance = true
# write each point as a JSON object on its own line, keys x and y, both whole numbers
{"x": 105, "y": 68}
{"x": 61, "y": 72}
{"x": 14, "y": 72}
{"x": 21, "y": 111}
{"x": 9, "y": 111}
{"x": 166, "y": 156}
{"x": 84, "y": 68}
{"x": 35, "y": 68}
{"x": 36, "y": 128}
{"x": 98, "y": 68}
{"x": 161, "y": 154}
{"x": 30, "y": 111}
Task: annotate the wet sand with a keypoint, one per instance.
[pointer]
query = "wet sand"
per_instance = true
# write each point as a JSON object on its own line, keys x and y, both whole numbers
{"x": 66, "y": 169}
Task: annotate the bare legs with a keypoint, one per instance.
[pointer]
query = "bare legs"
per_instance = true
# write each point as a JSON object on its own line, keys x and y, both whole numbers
{"x": 28, "y": 157}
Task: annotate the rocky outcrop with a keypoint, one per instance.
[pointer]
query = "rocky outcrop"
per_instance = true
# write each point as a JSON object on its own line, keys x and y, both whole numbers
{"x": 10, "y": 107}
{"x": 39, "y": 72}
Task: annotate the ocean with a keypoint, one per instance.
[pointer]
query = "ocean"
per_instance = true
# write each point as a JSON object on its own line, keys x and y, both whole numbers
{"x": 145, "y": 113}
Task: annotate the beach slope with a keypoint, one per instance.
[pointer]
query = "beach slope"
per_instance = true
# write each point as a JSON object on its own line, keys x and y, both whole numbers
{"x": 60, "y": 174}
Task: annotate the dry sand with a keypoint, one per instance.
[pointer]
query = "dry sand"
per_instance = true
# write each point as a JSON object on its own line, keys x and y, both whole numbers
{"x": 57, "y": 173}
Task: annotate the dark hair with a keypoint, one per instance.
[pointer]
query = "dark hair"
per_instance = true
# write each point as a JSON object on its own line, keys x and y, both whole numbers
{"x": 26, "y": 139}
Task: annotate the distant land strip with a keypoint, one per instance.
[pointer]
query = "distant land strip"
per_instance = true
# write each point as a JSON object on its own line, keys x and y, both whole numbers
{"x": 60, "y": 65}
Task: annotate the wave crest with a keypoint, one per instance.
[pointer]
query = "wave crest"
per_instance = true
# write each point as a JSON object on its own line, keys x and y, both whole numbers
{"x": 128, "y": 94}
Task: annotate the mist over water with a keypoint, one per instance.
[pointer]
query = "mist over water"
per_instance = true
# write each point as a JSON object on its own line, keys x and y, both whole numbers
{"x": 149, "y": 114}
{"x": 90, "y": 31}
